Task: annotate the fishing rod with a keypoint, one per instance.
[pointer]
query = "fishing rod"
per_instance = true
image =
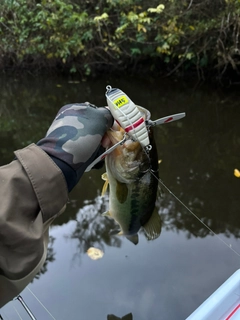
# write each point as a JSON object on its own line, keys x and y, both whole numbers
{"x": 27, "y": 309}
{"x": 23, "y": 303}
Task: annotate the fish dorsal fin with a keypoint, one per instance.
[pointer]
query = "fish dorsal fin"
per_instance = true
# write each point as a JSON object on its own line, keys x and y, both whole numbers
{"x": 105, "y": 185}
{"x": 152, "y": 228}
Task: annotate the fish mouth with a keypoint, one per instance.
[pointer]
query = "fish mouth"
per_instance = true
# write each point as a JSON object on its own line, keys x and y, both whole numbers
{"x": 128, "y": 161}
{"x": 115, "y": 135}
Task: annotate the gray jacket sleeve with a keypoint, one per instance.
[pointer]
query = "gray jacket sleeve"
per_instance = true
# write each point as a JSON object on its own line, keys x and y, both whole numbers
{"x": 33, "y": 192}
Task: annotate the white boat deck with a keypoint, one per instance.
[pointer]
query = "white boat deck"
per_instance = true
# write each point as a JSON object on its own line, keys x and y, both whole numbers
{"x": 223, "y": 304}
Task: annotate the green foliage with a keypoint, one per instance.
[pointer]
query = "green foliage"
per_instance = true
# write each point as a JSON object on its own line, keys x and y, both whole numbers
{"x": 83, "y": 35}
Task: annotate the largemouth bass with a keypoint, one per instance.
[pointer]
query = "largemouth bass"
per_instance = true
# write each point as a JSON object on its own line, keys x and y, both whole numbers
{"x": 132, "y": 186}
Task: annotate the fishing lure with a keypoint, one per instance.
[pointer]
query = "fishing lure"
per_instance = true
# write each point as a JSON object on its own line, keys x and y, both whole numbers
{"x": 127, "y": 115}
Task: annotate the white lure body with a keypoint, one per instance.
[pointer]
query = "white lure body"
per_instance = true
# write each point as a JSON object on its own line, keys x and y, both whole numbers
{"x": 127, "y": 114}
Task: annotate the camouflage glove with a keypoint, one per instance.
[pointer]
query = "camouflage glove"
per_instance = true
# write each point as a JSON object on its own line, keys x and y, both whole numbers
{"x": 73, "y": 140}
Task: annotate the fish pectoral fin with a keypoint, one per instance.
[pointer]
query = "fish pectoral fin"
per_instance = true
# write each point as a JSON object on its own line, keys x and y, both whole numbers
{"x": 153, "y": 227}
{"x": 133, "y": 239}
{"x": 105, "y": 185}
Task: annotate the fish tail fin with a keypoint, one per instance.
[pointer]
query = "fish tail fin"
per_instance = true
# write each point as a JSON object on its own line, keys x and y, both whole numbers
{"x": 133, "y": 239}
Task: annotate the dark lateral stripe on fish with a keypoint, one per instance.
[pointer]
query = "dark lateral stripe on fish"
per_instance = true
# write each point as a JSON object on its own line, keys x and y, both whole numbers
{"x": 136, "y": 207}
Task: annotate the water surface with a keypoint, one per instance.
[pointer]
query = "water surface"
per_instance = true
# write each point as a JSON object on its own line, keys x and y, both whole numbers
{"x": 164, "y": 279}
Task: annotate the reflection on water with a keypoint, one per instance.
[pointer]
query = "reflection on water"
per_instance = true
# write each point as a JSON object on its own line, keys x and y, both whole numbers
{"x": 91, "y": 229}
{"x": 126, "y": 317}
{"x": 50, "y": 258}
{"x": 169, "y": 277}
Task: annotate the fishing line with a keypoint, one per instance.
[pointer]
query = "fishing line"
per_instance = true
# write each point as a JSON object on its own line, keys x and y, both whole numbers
{"x": 133, "y": 128}
{"x": 18, "y": 313}
{"x": 146, "y": 150}
{"x": 5, "y": 316}
{"x": 224, "y": 242}
{"x": 41, "y": 304}
{"x": 25, "y": 306}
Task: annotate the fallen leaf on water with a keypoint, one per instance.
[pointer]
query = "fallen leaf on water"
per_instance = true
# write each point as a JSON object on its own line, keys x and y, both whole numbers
{"x": 237, "y": 173}
{"x": 95, "y": 253}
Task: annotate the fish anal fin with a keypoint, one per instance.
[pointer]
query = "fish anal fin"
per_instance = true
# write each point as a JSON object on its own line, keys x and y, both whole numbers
{"x": 152, "y": 228}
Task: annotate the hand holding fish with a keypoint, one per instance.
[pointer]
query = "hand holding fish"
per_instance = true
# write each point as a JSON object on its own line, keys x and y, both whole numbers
{"x": 106, "y": 141}
{"x": 38, "y": 187}
{"x": 73, "y": 140}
